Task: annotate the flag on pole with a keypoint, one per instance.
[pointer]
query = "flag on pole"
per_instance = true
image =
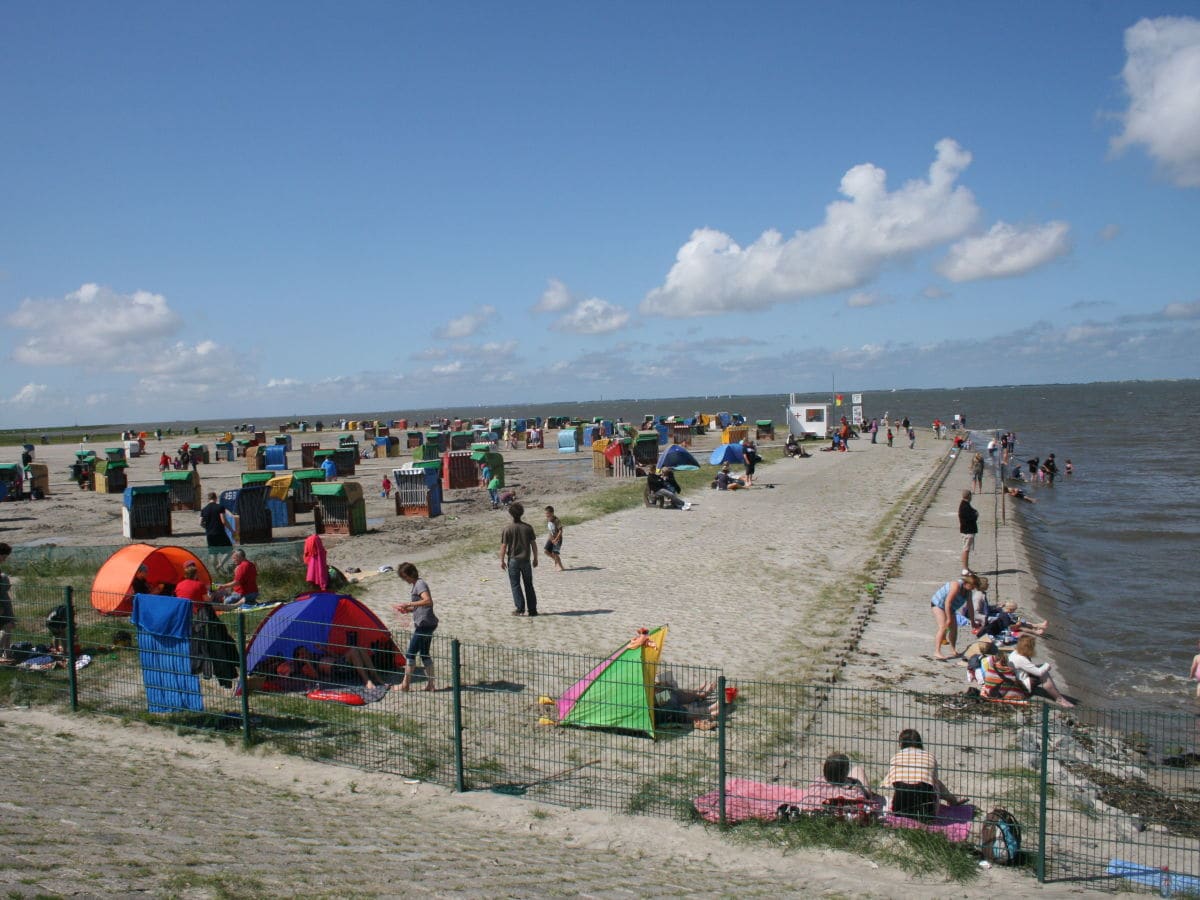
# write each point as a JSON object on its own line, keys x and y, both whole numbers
{"x": 837, "y": 400}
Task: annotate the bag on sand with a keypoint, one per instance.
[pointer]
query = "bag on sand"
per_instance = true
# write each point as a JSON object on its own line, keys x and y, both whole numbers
{"x": 1000, "y": 838}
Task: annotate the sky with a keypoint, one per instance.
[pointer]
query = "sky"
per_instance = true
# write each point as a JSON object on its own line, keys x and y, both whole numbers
{"x": 272, "y": 209}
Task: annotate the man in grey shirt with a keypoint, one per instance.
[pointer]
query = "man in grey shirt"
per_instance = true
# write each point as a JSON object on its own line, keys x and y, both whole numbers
{"x": 519, "y": 557}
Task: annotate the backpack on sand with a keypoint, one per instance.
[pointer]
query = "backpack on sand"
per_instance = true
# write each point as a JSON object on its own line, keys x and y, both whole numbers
{"x": 1000, "y": 837}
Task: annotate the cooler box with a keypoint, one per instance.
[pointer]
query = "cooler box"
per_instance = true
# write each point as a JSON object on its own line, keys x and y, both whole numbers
{"x": 341, "y": 508}
{"x": 146, "y": 512}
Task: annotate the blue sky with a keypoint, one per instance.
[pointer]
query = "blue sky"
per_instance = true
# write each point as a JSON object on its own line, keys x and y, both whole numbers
{"x": 270, "y": 209}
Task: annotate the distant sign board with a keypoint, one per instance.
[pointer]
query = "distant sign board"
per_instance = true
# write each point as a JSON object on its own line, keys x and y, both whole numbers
{"x": 856, "y": 415}
{"x": 856, "y": 399}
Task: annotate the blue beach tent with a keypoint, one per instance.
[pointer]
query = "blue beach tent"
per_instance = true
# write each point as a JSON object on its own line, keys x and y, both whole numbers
{"x": 676, "y": 457}
{"x": 318, "y": 620}
{"x": 726, "y": 453}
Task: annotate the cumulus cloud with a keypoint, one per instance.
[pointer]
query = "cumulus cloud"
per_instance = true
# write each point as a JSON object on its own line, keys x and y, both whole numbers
{"x": 1006, "y": 250}
{"x": 592, "y": 316}
{"x": 450, "y": 368}
{"x": 860, "y": 235}
{"x": 1182, "y": 310}
{"x": 468, "y": 324}
{"x": 864, "y": 299}
{"x": 555, "y": 298}
{"x": 29, "y": 395}
{"x": 1162, "y": 79}
{"x": 92, "y": 327}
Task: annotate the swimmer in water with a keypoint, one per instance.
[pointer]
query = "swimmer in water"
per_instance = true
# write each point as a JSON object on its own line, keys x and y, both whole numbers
{"x": 1195, "y": 673}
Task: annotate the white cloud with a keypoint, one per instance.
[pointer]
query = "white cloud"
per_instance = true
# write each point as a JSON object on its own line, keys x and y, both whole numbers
{"x": 468, "y": 324}
{"x": 555, "y": 298}
{"x": 29, "y": 395}
{"x": 593, "y": 316}
{"x": 934, "y": 292}
{"x": 1182, "y": 310}
{"x": 863, "y": 299}
{"x": 1006, "y": 250}
{"x": 452, "y": 368}
{"x": 92, "y": 327}
{"x": 1109, "y": 232}
{"x": 1162, "y": 79}
{"x": 277, "y": 383}
{"x": 873, "y": 227}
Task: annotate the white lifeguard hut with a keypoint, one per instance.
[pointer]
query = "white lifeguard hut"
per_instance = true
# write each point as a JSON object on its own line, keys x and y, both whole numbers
{"x": 807, "y": 419}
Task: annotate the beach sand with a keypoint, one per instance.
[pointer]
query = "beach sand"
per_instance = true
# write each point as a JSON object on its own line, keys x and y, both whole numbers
{"x": 765, "y": 583}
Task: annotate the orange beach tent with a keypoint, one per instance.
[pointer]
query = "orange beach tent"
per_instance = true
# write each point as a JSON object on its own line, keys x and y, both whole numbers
{"x": 111, "y": 590}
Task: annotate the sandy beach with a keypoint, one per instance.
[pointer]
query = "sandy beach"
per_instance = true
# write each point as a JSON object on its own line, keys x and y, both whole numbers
{"x": 766, "y": 583}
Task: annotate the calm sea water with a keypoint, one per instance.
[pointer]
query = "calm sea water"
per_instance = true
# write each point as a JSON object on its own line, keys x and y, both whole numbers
{"x": 1116, "y": 543}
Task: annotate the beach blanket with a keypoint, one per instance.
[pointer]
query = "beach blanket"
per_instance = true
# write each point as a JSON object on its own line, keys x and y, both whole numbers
{"x": 164, "y": 630}
{"x": 746, "y": 799}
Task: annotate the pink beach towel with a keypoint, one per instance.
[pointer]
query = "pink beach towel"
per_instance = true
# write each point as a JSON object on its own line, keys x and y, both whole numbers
{"x": 745, "y": 800}
{"x": 318, "y": 567}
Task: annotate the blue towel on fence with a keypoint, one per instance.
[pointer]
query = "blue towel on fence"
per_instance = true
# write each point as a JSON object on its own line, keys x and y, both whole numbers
{"x": 164, "y": 634}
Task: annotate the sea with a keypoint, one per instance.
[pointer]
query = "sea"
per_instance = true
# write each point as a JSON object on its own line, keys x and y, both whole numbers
{"x": 1115, "y": 545}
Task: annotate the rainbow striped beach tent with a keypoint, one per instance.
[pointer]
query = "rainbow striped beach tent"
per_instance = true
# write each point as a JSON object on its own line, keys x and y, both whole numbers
{"x": 618, "y": 693}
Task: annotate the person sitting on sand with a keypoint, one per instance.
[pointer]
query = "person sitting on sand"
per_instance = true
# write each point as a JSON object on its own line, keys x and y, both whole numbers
{"x": 913, "y": 776}
{"x": 792, "y": 447}
{"x": 999, "y": 679}
{"x": 838, "y": 783}
{"x": 1016, "y": 623}
{"x": 657, "y": 488}
{"x": 674, "y": 705}
{"x": 1032, "y": 675}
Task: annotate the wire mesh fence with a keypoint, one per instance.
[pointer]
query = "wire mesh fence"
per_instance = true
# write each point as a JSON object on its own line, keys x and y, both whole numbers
{"x": 1108, "y": 797}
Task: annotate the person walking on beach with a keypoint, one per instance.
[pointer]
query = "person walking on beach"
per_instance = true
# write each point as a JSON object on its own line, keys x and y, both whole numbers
{"x": 518, "y": 557}
{"x": 968, "y": 527}
{"x": 977, "y": 473}
{"x": 554, "y": 541}
{"x": 212, "y": 520}
{"x": 425, "y": 623}
{"x": 912, "y": 438}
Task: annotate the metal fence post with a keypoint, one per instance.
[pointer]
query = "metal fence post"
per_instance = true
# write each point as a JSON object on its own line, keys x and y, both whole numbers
{"x": 242, "y": 680}
{"x": 721, "y": 750}
{"x": 1043, "y": 782}
{"x": 72, "y": 678}
{"x": 456, "y": 687}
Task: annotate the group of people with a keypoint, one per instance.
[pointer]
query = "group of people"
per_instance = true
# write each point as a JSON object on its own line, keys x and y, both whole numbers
{"x": 917, "y": 790}
{"x": 964, "y": 601}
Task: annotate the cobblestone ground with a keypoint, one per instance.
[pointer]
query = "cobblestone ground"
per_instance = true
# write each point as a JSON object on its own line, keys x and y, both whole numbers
{"x": 93, "y": 807}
